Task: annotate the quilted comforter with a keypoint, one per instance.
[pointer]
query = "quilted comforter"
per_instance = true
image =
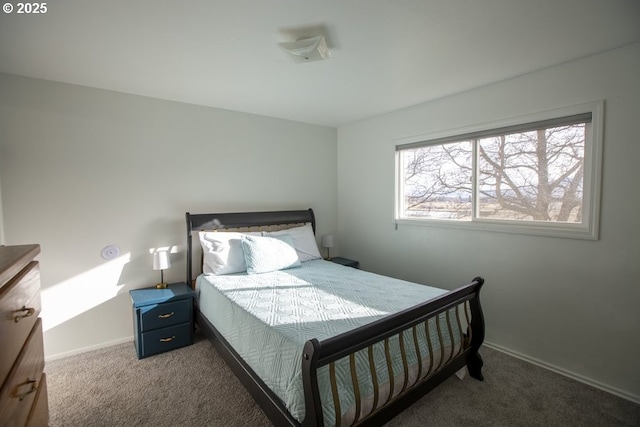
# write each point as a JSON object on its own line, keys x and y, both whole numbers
{"x": 268, "y": 317}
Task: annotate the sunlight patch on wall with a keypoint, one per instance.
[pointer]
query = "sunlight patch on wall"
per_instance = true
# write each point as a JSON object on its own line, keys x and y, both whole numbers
{"x": 81, "y": 293}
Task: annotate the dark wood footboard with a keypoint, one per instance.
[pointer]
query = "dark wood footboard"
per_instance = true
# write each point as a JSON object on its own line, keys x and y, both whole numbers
{"x": 464, "y": 303}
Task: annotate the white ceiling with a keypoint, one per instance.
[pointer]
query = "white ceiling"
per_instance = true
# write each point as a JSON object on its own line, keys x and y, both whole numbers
{"x": 387, "y": 54}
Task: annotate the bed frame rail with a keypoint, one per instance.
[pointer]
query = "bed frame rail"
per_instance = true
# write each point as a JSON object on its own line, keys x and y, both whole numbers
{"x": 463, "y": 302}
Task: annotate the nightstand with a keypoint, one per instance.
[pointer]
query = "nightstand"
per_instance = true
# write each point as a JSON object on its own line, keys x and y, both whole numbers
{"x": 162, "y": 318}
{"x": 345, "y": 261}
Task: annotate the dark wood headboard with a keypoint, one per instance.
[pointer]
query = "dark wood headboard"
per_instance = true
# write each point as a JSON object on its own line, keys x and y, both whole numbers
{"x": 222, "y": 221}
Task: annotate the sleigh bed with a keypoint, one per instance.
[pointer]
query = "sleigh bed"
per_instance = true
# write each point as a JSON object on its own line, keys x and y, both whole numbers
{"x": 317, "y": 343}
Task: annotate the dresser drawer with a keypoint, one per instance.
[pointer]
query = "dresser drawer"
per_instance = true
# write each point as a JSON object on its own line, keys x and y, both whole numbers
{"x": 165, "y": 339}
{"x": 19, "y": 391}
{"x": 19, "y": 309}
{"x": 39, "y": 416}
{"x": 157, "y": 316}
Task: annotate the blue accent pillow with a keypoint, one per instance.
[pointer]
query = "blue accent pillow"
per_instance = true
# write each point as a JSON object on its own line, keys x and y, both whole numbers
{"x": 263, "y": 254}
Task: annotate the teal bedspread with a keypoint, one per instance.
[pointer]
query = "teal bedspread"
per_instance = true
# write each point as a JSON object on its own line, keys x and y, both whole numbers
{"x": 268, "y": 317}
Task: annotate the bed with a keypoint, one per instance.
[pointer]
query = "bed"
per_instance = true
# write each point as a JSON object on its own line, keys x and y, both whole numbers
{"x": 317, "y": 343}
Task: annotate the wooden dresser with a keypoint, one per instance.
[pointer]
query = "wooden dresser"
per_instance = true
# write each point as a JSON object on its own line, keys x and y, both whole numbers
{"x": 23, "y": 396}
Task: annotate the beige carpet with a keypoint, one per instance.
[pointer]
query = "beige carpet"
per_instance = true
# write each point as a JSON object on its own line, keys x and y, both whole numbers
{"x": 193, "y": 386}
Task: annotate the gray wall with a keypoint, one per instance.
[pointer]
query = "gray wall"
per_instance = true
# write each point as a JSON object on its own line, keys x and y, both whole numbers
{"x": 568, "y": 304}
{"x": 83, "y": 168}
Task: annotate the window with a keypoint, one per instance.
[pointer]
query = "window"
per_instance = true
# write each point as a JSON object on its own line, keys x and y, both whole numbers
{"x": 535, "y": 175}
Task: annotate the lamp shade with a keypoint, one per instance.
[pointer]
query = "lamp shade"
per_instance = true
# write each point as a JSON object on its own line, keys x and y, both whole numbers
{"x": 327, "y": 241}
{"x": 161, "y": 260}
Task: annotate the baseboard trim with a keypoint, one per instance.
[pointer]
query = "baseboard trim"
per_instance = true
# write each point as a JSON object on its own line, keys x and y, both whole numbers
{"x": 588, "y": 381}
{"x": 57, "y": 356}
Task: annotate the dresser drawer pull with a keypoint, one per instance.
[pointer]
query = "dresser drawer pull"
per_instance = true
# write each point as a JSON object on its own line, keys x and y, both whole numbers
{"x": 165, "y": 316}
{"x": 27, "y": 313}
{"x": 168, "y": 339}
{"x": 33, "y": 388}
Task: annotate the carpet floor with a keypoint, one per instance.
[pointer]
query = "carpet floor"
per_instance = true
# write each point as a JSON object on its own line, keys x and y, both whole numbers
{"x": 193, "y": 386}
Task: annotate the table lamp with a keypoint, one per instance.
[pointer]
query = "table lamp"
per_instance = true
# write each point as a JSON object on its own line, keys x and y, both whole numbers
{"x": 327, "y": 242}
{"x": 161, "y": 262}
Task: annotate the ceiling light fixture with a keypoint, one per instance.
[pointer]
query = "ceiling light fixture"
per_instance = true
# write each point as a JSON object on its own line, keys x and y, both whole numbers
{"x": 306, "y": 49}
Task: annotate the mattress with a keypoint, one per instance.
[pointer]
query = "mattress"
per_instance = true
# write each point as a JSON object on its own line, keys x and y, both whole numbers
{"x": 268, "y": 317}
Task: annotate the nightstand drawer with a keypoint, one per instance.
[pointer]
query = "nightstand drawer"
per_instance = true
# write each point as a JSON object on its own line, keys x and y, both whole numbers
{"x": 156, "y": 316}
{"x": 165, "y": 339}
{"x": 162, "y": 318}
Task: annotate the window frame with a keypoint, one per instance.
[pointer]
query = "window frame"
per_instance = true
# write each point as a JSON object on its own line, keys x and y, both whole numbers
{"x": 588, "y": 229}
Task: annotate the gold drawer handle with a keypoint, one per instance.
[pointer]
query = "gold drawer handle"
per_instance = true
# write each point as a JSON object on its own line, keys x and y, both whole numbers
{"x": 168, "y": 339}
{"x": 34, "y": 387}
{"x": 28, "y": 312}
{"x": 165, "y": 316}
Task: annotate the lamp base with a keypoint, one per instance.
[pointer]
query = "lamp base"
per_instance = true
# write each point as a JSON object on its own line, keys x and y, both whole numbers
{"x": 161, "y": 286}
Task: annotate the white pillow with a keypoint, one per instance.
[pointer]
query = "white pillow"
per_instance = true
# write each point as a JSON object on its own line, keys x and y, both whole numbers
{"x": 303, "y": 240}
{"x": 222, "y": 252}
{"x": 264, "y": 254}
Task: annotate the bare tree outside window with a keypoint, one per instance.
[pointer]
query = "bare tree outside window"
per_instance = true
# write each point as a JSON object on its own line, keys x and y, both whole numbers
{"x": 438, "y": 181}
{"x": 538, "y": 174}
{"x": 528, "y": 176}
{"x": 533, "y": 176}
